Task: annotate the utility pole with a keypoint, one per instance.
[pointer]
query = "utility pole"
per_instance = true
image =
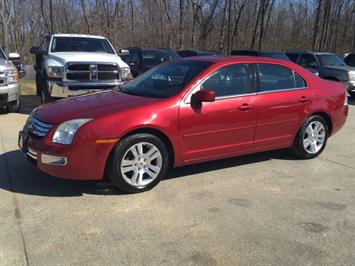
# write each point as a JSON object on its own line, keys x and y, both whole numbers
{"x": 51, "y": 15}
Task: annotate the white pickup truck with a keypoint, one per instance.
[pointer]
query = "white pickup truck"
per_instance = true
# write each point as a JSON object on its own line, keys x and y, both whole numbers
{"x": 74, "y": 64}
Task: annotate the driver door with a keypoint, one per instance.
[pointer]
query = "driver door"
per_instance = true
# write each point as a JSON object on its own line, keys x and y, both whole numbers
{"x": 227, "y": 125}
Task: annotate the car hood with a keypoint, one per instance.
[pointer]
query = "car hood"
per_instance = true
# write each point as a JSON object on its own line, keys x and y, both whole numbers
{"x": 61, "y": 58}
{"x": 94, "y": 105}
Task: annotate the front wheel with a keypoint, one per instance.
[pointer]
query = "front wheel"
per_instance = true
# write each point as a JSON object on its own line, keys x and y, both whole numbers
{"x": 311, "y": 138}
{"x": 138, "y": 163}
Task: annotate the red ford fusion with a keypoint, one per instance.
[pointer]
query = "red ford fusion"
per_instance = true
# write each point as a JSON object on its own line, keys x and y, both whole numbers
{"x": 184, "y": 112}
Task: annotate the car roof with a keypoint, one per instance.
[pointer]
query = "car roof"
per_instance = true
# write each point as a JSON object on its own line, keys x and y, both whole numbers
{"x": 78, "y": 35}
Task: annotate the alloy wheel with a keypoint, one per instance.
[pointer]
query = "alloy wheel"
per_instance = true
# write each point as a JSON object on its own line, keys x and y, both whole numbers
{"x": 141, "y": 164}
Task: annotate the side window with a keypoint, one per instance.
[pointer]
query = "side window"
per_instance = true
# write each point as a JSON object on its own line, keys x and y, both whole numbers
{"x": 299, "y": 81}
{"x": 293, "y": 57}
{"x": 307, "y": 60}
{"x": 135, "y": 58}
{"x": 275, "y": 77}
{"x": 230, "y": 80}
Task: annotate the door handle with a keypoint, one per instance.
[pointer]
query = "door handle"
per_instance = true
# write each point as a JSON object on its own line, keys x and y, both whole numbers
{"x": 246, "y": 107}
{"x": 303, "y": 99}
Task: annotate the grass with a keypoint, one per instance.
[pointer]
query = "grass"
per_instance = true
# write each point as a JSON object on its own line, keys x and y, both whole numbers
{"x": 28, "y": 87}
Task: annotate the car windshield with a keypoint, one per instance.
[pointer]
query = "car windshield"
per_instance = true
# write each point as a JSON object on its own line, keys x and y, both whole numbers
{"x": 75, "y": 44}
{"x": 276, "y": 56}
{"x": 330, "y": 60}
{"x": 153, "y": 58}
{"x": 165, "y": 80}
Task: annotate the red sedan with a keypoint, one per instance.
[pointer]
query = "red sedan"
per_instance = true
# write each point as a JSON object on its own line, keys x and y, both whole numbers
{"x": 184, "y": 112}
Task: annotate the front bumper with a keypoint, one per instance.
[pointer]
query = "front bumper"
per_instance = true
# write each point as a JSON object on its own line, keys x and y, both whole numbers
{"x": 85, "y": 160}
{"x": 61, "y": 89}
{"x": 9, "y": 94}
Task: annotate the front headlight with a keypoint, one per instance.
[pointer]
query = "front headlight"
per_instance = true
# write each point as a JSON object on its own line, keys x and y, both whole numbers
{"x": 55, "y": 72}
{"x": 126, "y": 74}
{"x": 12, "y": 76}
{"x": 66, "y": 131}
{"x": 351, "y": 75}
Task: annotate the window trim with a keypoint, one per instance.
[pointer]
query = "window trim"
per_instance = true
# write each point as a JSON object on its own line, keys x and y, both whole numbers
{"x": 258, "y": 90}
{"x": 197, "y": 86}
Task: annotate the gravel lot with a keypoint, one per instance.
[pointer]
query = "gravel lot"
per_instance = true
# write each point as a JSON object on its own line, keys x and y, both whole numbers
{"x": 261, "y": 209}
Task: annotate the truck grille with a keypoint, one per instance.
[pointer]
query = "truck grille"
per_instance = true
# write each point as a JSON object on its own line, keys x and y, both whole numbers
{"x": 36, "y": 128}
{"x": 92, "y": 72}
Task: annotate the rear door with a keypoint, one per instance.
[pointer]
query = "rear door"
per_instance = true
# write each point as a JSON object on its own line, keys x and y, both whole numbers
{"x": 283, "y": 100}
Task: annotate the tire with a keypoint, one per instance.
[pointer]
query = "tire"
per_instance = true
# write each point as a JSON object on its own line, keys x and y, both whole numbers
{"x": 14, "y": 108}
{"x": 45, "y": 97}
{"x": 141, "y": 171}
{"x": 312, "y": 138}
{"x": 38, "y": 85}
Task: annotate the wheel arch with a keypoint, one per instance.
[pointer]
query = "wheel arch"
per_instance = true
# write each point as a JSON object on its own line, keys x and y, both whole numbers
{"x": 155, "y": 132}
{"x": 326, "y": 117}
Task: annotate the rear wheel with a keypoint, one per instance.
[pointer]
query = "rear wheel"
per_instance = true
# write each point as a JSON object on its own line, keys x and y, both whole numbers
{"x": 138, "y": 163}
{"x": 311, "y": 138}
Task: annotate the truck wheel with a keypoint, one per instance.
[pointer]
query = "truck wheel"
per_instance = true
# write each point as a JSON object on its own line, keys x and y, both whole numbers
{"x": 138, "y": 163}
{"x": 14, "y": 108}
{"x": 45, "y": 97}
{"x": 312, "y": 138}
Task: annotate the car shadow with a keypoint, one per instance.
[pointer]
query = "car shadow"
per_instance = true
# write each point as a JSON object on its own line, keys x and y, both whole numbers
{"x": 21, "y": 177}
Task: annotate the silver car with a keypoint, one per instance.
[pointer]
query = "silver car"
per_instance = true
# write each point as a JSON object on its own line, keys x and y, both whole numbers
{"x": 9, "y": 84}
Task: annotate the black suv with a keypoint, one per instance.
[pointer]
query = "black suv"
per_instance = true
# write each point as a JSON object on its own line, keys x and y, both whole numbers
{"x": 189, "y": 53}
{"x": 349, "y": 59}
{"x": 271, "y": 54}
{"x": 142, "y": 59}
{"x": 329, "y": 66}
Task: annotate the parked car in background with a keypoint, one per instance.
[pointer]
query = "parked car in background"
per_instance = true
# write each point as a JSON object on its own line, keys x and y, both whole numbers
{"x": 142, "y": 59}
{"x": 74, "y": 64}
{"x": 9, "y": 84}
{"x": 329, "y": 66}
{"x": 189, "y": 53}
{"x": 15, "y": 58}
{"x": 183, "y": 112}
{"x": 349, "y": 59}
{"x": 270, "y": 54}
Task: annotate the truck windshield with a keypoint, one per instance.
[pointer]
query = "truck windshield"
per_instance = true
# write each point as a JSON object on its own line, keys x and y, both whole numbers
{"x": 165, "y": 80}
{"x": 330, "y": 60}
{"x": 81, "y": 44}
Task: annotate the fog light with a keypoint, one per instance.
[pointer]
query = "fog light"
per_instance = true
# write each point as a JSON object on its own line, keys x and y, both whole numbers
{"x": 54, "y": 160}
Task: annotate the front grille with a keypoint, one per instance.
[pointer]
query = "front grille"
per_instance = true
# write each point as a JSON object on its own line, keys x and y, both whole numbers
{"x": 92, "y": 72}
{"x": 37, "y": 128}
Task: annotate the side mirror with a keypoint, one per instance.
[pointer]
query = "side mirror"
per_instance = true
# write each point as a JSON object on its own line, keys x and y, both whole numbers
{"x": 204, "y": 95}
{"x": 123, "y": 52}
{"x": 14, "y": 56}
{"x": 36, "y": 50}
